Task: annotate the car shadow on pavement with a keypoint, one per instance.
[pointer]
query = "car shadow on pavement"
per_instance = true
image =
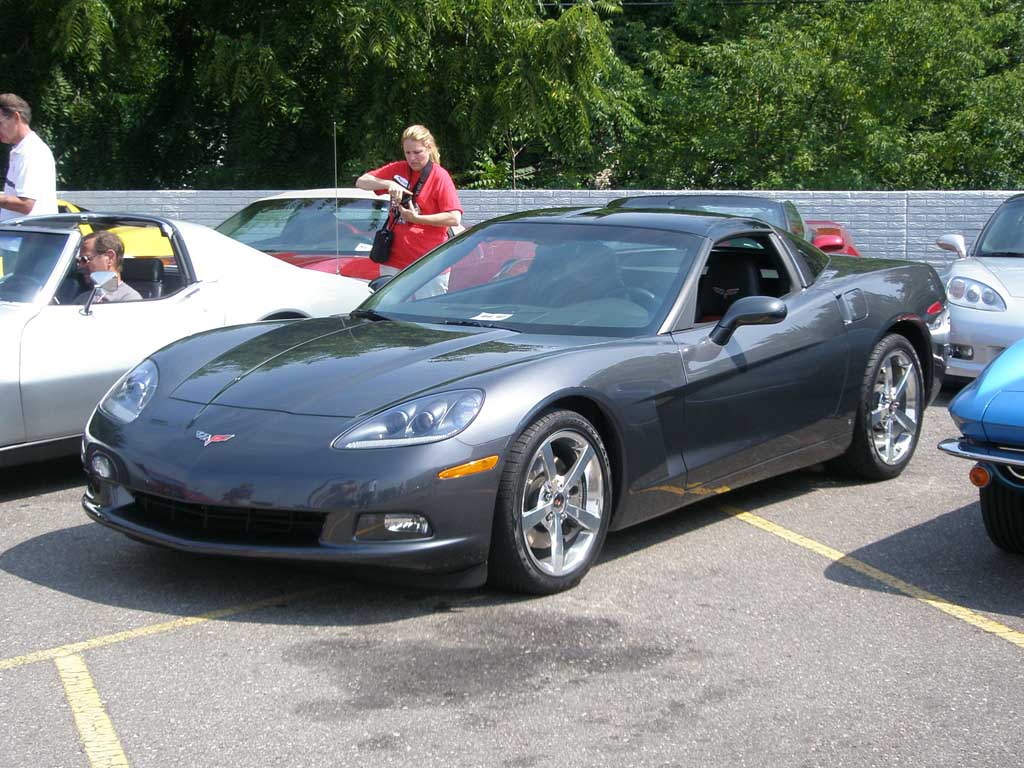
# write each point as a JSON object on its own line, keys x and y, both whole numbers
{"x": 949, "y": 556}
{"x": 96, "y": 565}
{"x": 676, "y": 523}
{"x": 41, "y": 477}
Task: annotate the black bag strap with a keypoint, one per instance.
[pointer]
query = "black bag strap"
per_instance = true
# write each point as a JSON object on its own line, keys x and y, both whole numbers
{"x": 424, "y": 175}
{"x": 393, "y": 216}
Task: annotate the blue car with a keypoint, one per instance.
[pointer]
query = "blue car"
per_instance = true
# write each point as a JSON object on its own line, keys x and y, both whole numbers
{"x": 990, "y": 414}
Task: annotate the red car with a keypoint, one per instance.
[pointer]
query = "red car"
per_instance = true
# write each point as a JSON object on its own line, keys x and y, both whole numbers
{"x": 329, "y": 230}
{"x": 832, "y": 237}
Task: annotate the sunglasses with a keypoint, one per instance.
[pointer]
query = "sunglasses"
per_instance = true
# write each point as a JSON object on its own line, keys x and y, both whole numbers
{"x": 82, "y": 259}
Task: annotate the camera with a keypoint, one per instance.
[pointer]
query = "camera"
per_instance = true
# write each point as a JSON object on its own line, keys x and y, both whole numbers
{"x": 409, "y": 204}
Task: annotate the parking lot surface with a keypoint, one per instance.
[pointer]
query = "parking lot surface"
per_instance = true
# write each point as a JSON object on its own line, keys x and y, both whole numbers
{"x": 801, "y": 621}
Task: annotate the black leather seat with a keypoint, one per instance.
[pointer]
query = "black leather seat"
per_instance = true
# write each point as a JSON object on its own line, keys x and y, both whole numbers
{"x": 729, "y": 277}
{"x": 144, "y": 275}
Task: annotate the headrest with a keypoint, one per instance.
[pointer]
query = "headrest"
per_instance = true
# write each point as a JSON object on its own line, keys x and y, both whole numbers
{"x": 143, "y": 270}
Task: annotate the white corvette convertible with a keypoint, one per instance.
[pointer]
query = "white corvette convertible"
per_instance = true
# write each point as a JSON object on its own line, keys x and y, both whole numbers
{"x": 58, "y": 358}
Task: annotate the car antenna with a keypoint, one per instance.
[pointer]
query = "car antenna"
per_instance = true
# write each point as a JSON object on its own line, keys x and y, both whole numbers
{"x": 337, "y": 236}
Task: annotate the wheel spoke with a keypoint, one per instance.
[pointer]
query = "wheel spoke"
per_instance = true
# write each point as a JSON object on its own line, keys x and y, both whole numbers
{"x": 536, "y": 515}
{"x": 902, "y": 386}
{"x": 548, "y": 457}
{"x": 889, "y": 442}
{"x": 877, "y": 418}
{"x": 587, "y": 520}
{"x": 887, "y": 371}
{"x": 557, "y": 546}
{"x": 576, "y": 472}
{"x": 906, "y": 421}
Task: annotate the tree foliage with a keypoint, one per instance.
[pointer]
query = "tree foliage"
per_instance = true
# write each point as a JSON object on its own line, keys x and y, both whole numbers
{"x": 886, "y": 94}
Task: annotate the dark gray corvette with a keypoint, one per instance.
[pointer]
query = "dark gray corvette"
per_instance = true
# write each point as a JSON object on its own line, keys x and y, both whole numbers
{"x": 502, "y": 404}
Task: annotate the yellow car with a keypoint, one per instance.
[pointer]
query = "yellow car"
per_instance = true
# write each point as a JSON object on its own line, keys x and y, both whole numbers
{"x": 139, "y": 242}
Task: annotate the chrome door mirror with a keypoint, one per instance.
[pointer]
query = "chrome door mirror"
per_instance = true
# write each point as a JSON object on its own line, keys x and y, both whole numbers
{"x": 103, "y": 282}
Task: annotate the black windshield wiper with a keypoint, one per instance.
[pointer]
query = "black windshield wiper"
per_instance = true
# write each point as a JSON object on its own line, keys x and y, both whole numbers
{"x": 368, "y": 314}
{"x": 479, "y": 324}
{"x": 1000, "y": 254}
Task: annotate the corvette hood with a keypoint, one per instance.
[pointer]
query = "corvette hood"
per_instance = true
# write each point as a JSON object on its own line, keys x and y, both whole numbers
{"x": 342, "y": 367}
{"x": 1010, "y": 272}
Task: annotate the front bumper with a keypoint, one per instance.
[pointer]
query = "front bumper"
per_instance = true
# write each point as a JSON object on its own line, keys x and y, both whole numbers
{"x": 278, "y": 491}
{"x": 985, "y": 334}
{"x": 990, "y": 454}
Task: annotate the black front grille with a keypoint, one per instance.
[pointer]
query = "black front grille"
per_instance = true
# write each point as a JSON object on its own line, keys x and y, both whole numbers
{"x": 244, "y": 525}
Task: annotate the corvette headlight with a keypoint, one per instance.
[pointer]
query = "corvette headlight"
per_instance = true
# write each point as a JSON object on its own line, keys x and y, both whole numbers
{"x": 965, "y": 292}
{"x": 126, "y": 399}
{"x": 423, "y": 420}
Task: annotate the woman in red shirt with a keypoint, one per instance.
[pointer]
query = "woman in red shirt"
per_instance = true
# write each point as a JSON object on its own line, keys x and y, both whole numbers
{"x": 437, "y": 207}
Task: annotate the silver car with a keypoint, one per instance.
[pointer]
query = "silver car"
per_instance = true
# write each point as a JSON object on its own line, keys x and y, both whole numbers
{"x": 58, "y": 358}
{"x": 986, "y": 291}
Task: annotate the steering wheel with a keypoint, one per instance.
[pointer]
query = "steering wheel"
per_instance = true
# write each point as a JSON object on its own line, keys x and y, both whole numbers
{"x": 20, "y": 286}
{"x": 643, "y": 297}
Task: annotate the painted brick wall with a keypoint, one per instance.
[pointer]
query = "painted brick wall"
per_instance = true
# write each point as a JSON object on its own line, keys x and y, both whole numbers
{"x": 902, "y": 225}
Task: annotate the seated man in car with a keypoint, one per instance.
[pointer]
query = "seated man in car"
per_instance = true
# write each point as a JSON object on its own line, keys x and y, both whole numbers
{"x": 104, "y": 252}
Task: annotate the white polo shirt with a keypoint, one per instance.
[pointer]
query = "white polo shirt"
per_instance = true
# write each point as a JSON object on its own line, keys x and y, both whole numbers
{"x": 31, "y": 173}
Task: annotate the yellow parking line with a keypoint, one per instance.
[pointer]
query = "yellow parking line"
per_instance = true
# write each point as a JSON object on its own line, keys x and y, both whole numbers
{"x": 952, "y": 609}
{"x": 152, "y": 629}
{"x": 101, "y": 744}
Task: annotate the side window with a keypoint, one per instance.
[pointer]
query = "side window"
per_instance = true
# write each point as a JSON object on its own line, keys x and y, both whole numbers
{"x": 809, "y": 260}
{"x": 739, "y": 267}
{"x": 151, "y": 265}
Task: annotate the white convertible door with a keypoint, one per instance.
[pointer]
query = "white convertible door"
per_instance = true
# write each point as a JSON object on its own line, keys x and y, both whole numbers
{"x": 69, "y": 360}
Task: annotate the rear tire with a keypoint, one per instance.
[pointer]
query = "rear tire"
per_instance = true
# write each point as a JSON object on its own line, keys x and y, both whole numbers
{"x": 1002, "y": 509}
{"x": 888, "y": 421}
{"x": 554, "y": 503}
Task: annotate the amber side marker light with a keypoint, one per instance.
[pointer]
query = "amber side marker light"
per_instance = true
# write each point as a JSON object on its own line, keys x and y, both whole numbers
{"x": 471, "y": 468}
{"x": 980, "y": 476}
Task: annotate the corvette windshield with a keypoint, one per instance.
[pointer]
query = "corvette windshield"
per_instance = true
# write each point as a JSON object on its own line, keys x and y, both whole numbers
{"x": 1004, "y": 236}
{"x": 26, "y": 261}
{"x": 546, "y": 278}
{"x": 312, "y": 226}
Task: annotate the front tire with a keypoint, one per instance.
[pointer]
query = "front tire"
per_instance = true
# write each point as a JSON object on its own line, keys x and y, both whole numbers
{"x": 1002, "y": 509}
{"x": 554, "y": 504}
{"x": 888, "y": 421}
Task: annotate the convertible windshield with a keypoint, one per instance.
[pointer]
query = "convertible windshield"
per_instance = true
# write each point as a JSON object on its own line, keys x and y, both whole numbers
{"x": 26, "y": 261}
{"x": 313, "y": 226}
{"x": 1004, "y": 236}
{"x": 546, "y": 278}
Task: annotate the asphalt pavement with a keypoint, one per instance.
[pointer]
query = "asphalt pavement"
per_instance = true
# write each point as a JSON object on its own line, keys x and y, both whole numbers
{"x": 803, "y": 621}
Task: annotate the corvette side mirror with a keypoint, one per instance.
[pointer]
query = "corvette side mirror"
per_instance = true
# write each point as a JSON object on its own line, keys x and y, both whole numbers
{"x": 379, "y": 282}
{"x": 750, "y": 310}
{"x": 103, "y": 282}
{"x": 954, "y": 243}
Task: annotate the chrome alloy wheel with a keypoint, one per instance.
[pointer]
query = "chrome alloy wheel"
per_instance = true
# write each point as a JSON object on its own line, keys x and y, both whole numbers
{"x": 563, "y": 502}
{"x": 896, "y": 410}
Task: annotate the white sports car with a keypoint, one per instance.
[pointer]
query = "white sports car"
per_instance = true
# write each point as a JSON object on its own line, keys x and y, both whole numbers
{"x": 57, "y": 358}
{"x": 986, "y": 291}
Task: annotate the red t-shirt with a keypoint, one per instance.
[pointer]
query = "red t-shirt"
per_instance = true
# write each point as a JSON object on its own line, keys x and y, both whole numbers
{"x": 437, "y": 196}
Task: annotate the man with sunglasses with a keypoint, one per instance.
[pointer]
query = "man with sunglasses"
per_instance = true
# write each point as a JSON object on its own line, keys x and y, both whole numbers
{"x": 30, "y": 186}
{"x": 104, "y": 252}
